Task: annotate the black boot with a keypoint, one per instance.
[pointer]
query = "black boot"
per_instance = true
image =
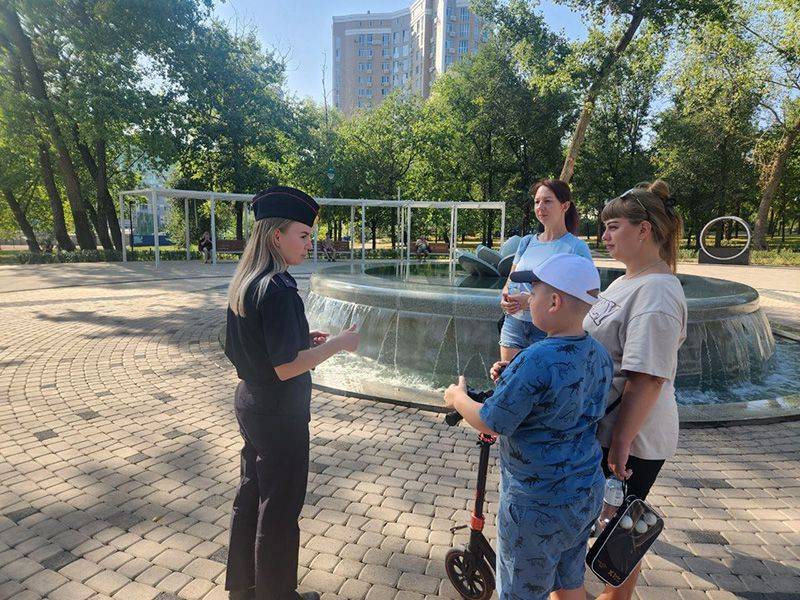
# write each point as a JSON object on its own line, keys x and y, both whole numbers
{"x": 242, "y": 594}
{"x": 308, "y": 596}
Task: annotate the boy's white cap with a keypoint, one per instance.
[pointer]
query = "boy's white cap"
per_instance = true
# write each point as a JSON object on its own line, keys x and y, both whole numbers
{"x": 569, "y": 273}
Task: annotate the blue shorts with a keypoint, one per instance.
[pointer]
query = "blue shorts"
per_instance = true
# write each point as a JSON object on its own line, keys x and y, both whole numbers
{"x": 519, "y": 334}
{"x": 541, "y": 549}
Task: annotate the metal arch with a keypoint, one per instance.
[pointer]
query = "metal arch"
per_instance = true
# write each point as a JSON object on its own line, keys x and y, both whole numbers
{"x": 739, "y": 220}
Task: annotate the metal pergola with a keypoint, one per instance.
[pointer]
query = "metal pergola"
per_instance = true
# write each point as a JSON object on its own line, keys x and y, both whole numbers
{"x": 403, "y": 207}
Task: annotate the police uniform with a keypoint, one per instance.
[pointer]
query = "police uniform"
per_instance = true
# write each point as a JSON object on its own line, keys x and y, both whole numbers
{"x": 273, "y": 417}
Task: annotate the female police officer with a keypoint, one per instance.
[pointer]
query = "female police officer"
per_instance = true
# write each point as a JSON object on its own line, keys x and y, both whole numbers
{"x": 269, "y": 343}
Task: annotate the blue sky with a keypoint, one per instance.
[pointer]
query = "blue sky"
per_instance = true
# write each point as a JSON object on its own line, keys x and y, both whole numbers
{"x": 301, "y": 30}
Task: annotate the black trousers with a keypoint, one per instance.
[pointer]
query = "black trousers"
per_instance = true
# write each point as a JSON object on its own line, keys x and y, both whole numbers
{"x": 265, "y": 537}
{"x": 644, "y": 474}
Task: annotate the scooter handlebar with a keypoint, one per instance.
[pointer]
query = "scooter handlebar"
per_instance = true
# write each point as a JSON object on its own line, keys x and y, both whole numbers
{"x": 454, "y": 417}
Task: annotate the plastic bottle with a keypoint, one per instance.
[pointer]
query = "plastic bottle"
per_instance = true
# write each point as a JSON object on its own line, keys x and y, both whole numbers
{"x": 612, "y": 500}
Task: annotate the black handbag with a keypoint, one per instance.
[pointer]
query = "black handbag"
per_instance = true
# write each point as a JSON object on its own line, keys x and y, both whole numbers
{"x": 621, "y": 546}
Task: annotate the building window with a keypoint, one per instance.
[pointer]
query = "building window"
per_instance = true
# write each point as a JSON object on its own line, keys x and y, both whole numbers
{"x": 385, "y": 39}
{"x": 464, "y": 30}
{"x": 385, "y": 80}
{"x": 384, "y": 52}
{"x": 450, "y": 29}
{"x": 365, "y": 52}
{"x": 448, "y": 45}
{"x": 394, "y": 37}
{"x": 384, "y": 91}
{"x": 464, "y": 13}
{"x": 364, "y": 66}
{"x": 463, "y": 46}
{"x": 384, "y": 66}
{"x": 448, "y": 60}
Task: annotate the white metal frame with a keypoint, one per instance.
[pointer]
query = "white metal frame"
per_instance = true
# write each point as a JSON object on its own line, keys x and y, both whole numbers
{"x": 403, "y": 207}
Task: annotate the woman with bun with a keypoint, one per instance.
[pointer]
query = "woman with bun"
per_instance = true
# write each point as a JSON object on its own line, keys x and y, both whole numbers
{"x": 641, "y": 320}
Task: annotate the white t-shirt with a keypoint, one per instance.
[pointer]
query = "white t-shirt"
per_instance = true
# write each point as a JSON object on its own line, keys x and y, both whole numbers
{"x": 642, "y": 323}
{"x": 532, "y": 252}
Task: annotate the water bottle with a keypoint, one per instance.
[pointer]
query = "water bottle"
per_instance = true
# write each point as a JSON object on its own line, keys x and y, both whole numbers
{"x": 515, "y": 288}
{"x": 612, "y": 500}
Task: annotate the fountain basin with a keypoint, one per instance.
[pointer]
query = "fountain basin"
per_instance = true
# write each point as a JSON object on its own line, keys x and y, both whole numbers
{"x": 438, "y": 322}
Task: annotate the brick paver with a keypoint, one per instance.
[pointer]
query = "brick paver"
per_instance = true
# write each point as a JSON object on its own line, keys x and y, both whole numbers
{"x": 119, "y": 463}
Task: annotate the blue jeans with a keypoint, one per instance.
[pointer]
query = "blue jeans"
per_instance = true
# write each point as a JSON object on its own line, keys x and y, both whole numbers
{"x": 519, "y": 334}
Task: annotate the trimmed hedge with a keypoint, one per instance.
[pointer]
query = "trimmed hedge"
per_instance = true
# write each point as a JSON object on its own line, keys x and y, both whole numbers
{"x": 81, "y": 256}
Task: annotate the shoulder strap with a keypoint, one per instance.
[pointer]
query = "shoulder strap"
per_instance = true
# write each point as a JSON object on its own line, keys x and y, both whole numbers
{"x": 524, "y": 243}
{"x": 611, "y": 407}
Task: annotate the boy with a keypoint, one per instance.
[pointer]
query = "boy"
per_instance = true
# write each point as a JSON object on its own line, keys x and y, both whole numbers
{"x": 545, "y": 410}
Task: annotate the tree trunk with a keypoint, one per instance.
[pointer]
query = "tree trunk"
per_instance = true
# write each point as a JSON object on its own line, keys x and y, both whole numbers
{"x": 239, "y": 206}
{"x": 56, "y": 205}
{"x": 104, "y": 195}
{"x": 526, "y": 213}
{"x": 594, "y": 91}
{"x": 45, "y": 165}
{"x": 22, "y": 42}
{"x": 22, "y": 220}
{"x": 97, "y": 216}
{"x": 775, "y": 173}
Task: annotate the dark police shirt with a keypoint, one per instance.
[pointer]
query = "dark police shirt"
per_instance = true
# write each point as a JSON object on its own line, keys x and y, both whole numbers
{"x": 271, "y": 333}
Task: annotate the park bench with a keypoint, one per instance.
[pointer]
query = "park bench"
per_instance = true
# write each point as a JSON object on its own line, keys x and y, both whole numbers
{"x": 340, "y": 247}
{"x": 230, "y": 246}
{"x": 436, "y": 249}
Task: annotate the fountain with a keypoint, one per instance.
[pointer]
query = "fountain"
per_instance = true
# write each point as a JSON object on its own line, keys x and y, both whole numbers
{"x": 424, "y": 324}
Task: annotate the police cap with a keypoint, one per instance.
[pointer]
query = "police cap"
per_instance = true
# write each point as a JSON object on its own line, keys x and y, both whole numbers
{"x": 286, "y": 202}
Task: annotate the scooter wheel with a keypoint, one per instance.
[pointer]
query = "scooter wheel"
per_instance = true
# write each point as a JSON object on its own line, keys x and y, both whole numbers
{"x": 470, "y": 575}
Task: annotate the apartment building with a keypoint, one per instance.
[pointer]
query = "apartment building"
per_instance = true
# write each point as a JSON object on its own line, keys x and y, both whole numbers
{"x": 377, "y": 53}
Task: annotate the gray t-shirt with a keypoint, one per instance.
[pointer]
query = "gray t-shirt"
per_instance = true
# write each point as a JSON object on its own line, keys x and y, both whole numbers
{"x": 642, "y": 323}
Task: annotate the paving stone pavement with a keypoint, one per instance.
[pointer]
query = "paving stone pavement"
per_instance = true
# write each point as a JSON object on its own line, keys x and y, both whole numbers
{"x": 118, "y": 463}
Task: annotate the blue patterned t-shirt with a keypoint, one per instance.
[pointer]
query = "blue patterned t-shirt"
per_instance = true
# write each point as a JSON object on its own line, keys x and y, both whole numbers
{"x": 546, "y": 407}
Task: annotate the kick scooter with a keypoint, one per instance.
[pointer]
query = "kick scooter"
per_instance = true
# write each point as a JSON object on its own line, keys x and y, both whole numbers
{"x": 471, "y": 568}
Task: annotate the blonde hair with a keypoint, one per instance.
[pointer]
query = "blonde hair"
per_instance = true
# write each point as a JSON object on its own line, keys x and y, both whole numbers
{"x": 260, "y": 256}
{"x": 651, "y": 202}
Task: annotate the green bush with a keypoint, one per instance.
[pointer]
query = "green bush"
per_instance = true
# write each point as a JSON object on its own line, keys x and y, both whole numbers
{"x": 83, "y": 256}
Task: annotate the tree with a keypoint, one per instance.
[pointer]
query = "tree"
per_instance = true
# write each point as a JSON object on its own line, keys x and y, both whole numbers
{"x": 622, "y": 19}
{"x": 615, "y": 155}
{"x": 35, "y": 84}
{"x": 374, "y": 152}
{"x": 234, "y": 114}
{"x": 774, "y": 28}
{"x": 704, "y": 140}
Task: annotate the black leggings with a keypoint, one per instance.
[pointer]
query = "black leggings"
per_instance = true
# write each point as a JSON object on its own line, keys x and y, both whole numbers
{"x": 644, "y": 474}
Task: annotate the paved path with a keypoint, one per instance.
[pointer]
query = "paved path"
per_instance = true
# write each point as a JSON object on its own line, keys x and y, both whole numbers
{"x": 119, "y": 462}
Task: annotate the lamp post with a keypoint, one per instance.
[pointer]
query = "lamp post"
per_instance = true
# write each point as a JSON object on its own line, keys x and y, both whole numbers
{"x": 130, "y": 218}
{"x": 331, "y": 173}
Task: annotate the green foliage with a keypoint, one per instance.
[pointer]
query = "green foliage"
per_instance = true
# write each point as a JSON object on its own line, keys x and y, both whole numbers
{"x": 616, "y": 154}
{"x": 705, "y": 139}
